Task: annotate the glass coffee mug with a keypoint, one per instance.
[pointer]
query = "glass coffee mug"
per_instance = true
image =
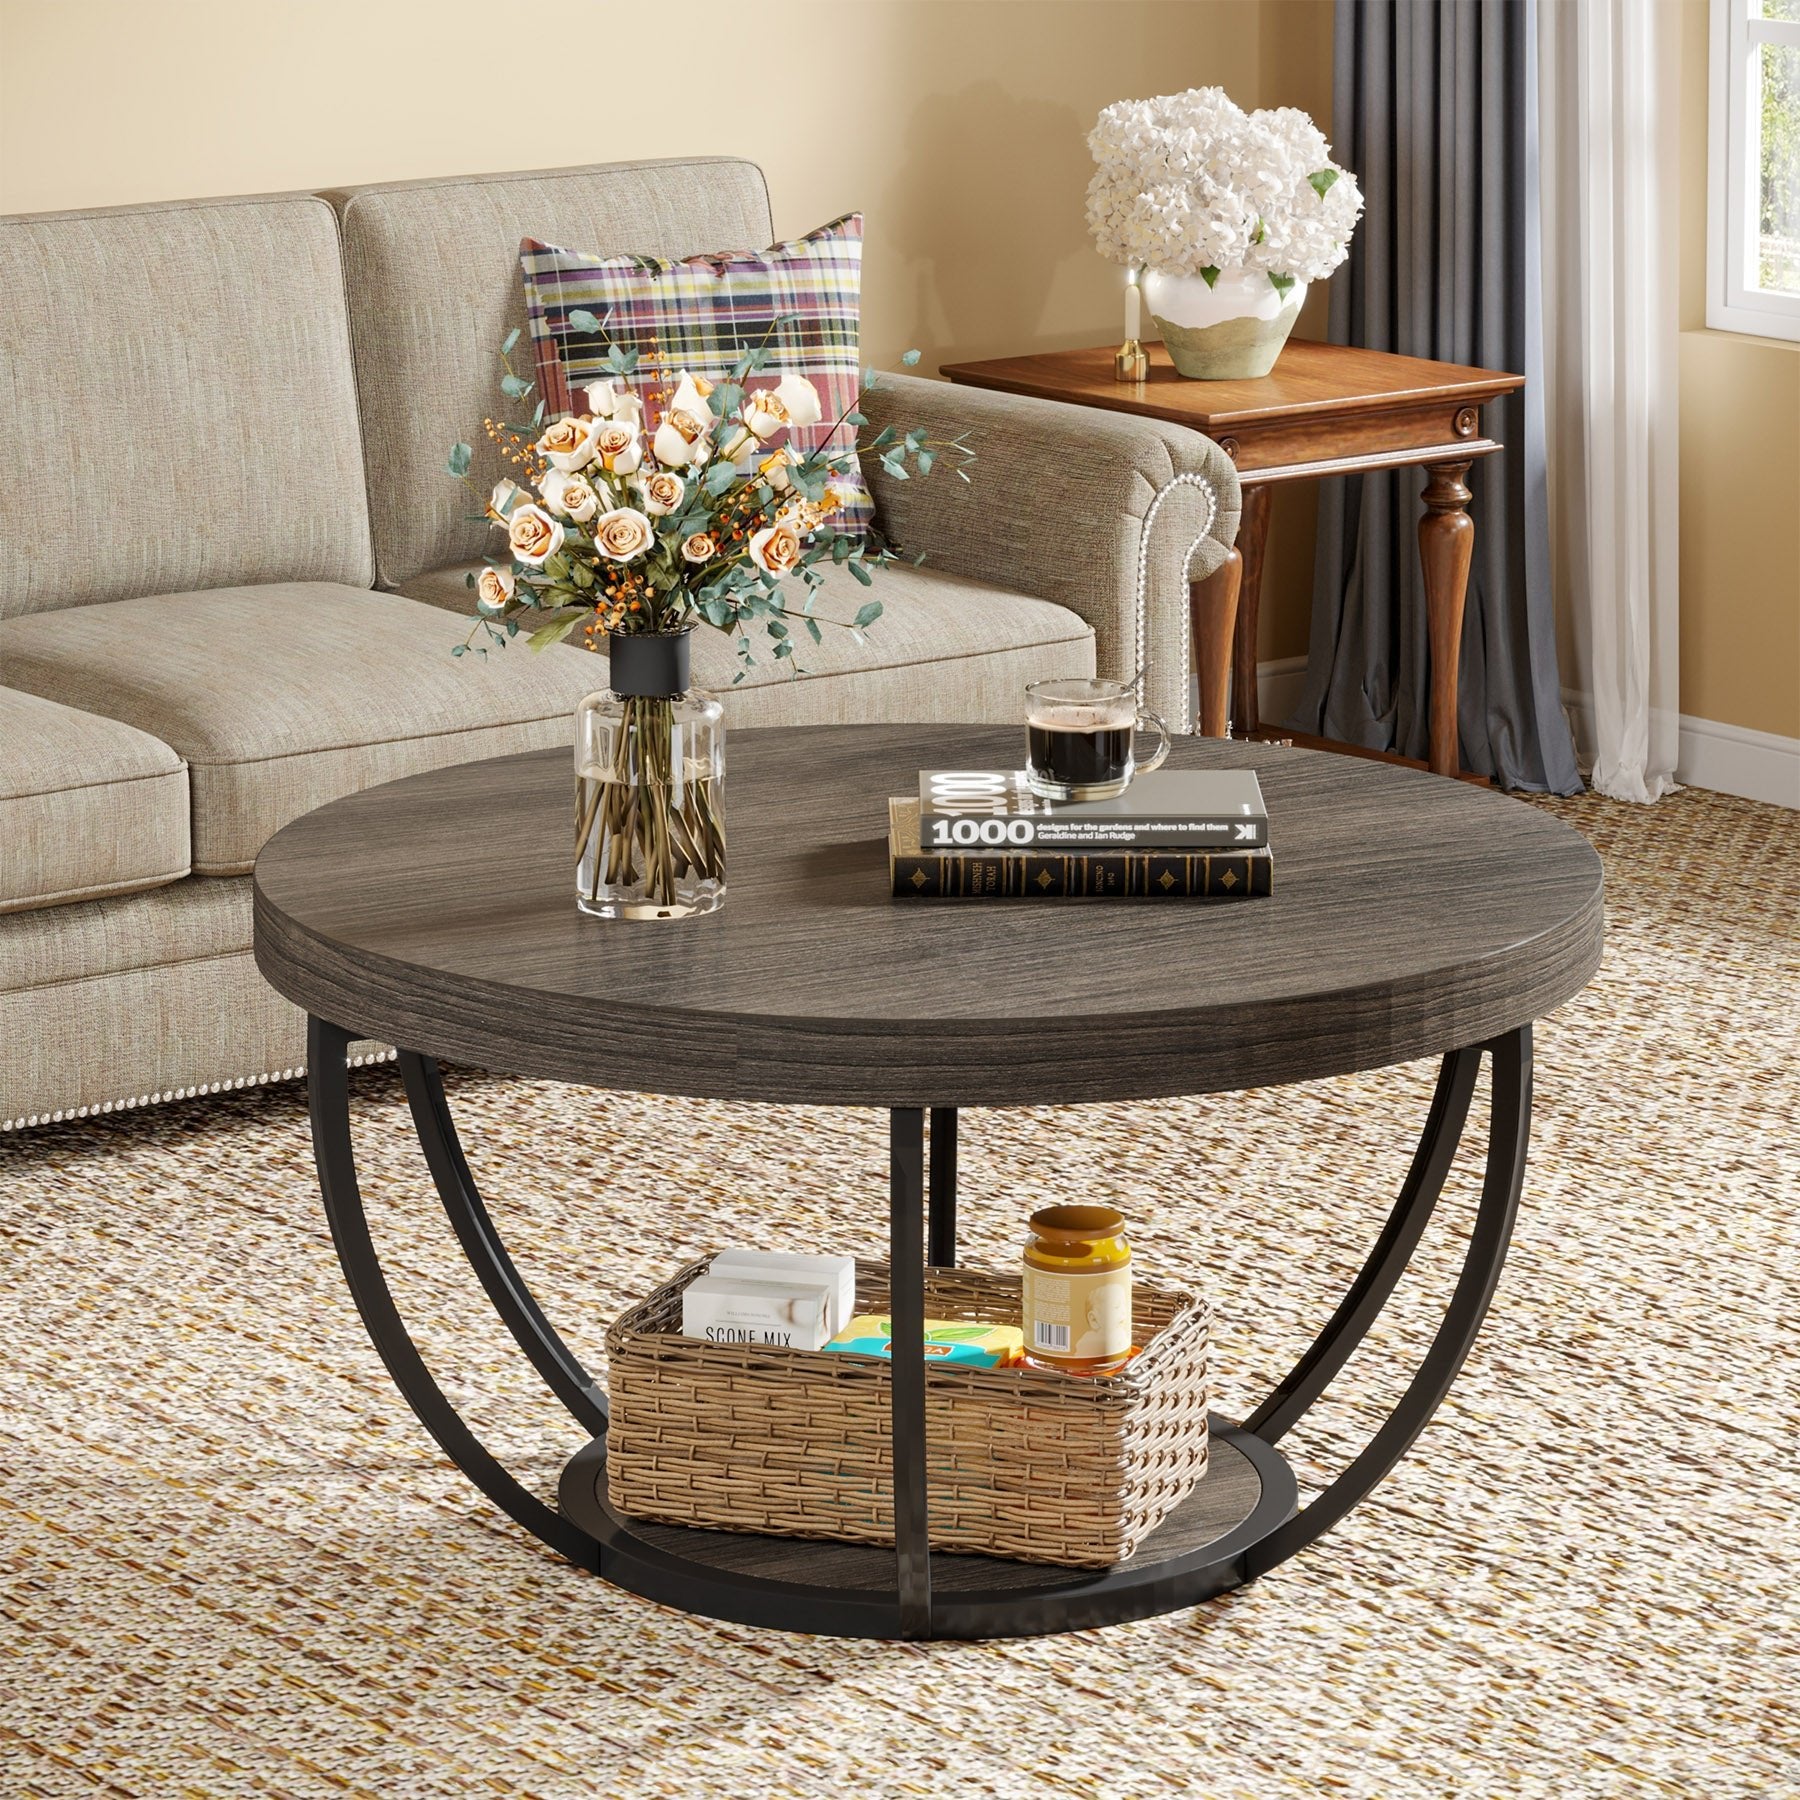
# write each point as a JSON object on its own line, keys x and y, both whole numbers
{"x": 1079, "y": 735}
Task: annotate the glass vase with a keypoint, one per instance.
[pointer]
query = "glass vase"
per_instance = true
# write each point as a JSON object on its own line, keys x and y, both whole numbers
{"x": 649, "y": 788}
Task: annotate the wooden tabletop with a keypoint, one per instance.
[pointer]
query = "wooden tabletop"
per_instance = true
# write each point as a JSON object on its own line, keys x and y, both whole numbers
{"x": 1410, "y": 916}
{"x": 1321, "y": 402}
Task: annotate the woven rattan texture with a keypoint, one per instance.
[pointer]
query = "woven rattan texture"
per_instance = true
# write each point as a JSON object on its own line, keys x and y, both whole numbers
{"x": 1023, "y": 1463}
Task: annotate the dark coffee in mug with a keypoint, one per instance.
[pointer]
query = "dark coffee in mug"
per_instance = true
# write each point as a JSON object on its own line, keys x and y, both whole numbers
{"x": 1078, "y": 737}
{"x": 1079, "y": 756}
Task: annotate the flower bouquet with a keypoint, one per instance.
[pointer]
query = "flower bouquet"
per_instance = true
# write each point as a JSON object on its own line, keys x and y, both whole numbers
{"x": 1231, "y": 213}
{"x": 673, "y": 502}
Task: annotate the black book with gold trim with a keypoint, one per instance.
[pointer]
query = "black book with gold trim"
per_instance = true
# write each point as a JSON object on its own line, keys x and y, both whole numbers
{"x": 1067, "y": 874}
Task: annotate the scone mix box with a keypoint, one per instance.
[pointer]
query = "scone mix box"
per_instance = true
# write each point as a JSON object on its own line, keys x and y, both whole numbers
{"x": 776, "y": 1297}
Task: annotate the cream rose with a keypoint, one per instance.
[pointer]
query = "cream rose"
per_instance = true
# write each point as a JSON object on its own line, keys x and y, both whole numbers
{"x": 681, "y": 437}
{"x": 618, "y": 447}
{"x": 737, "y": 444}
{"x": 776, "y": 548}
{"x": 569, "y": 443}
{"x": 792, "y": 403}
{"x": 505, "y": 494}
{"x": 699, "y": 547}
{"x": 571, "y": 495}
{"x": 774, "y": 469}
{"x": 494, "y": 589}
{"x": 622, "y": 534}
{"x": 764, "y": 413}
{"x": 799, "y": 400}
{"x": 608, "y": 402}
{"x": 661, "y": 493}
{"x": 535, "y": 536}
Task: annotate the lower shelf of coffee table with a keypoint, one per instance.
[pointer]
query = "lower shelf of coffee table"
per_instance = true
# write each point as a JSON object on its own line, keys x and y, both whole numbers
{"x": 801, "y": 1584}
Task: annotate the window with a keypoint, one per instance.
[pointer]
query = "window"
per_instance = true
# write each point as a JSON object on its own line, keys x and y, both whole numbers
{"x": 1753, "y": 205}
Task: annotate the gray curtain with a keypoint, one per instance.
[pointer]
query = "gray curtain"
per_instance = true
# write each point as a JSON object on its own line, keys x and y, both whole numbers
{"x": 1435, "y": 108}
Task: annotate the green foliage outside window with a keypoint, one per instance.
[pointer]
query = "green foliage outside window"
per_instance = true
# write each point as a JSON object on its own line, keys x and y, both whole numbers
{"x": 1778, "y": 187}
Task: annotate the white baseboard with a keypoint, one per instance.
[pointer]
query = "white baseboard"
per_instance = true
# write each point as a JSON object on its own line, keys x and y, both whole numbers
{"x": 1725, "y": 759}
{"x": 1279, "y": 683}
{"x": 1729, "y": 759}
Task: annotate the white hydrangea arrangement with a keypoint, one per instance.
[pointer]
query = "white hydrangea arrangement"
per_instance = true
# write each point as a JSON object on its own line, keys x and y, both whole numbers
{"x": 1191, "y": 184}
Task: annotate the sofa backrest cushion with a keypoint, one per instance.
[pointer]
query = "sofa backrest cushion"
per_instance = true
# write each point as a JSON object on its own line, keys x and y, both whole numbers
{"x": 433, "y": 271}
{"x": 177, "y": 403}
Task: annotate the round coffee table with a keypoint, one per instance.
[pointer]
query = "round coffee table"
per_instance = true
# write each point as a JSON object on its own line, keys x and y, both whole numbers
{"x": 1412, "y": 917}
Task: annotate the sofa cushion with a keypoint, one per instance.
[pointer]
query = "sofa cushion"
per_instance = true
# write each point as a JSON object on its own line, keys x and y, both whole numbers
{"x": 179, "y": 406}
{"x": 433, "y": 271}
{"x": 88, "y": 807}
{"x": 286, "y": 696}
{"x": 945, "y": 649}
{"x": 799, "y": 301}
{"x": 187, "y": 921}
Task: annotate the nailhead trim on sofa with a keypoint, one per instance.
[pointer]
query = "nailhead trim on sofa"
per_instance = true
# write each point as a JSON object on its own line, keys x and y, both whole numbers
{"x": 180, "y": 1093}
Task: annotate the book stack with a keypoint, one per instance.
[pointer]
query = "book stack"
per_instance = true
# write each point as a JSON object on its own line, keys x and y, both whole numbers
{"x": 1174, "y": 834}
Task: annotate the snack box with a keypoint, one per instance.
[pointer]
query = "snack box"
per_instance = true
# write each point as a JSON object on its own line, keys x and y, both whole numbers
{"x": 973, "y": 1345}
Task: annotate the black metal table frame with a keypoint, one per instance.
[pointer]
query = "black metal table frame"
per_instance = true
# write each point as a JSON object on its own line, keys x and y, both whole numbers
{"x": 600, "y": 1542}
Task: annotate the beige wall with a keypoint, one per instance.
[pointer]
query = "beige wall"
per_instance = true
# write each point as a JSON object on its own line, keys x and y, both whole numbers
{"x": 1740, "y": 475}
{"x": 958, "y": 127}
{"x": 1296, "y": 71}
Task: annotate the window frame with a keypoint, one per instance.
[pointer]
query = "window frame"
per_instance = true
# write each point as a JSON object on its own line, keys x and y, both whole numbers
{"x": 1733, "y": 134}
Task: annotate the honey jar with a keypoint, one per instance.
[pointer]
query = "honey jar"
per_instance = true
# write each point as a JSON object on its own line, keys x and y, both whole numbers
{"x": 1077, "y": 1297}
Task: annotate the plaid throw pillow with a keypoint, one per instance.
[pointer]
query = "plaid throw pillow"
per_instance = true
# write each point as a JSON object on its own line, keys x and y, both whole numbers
{"x": 702, "y": 314}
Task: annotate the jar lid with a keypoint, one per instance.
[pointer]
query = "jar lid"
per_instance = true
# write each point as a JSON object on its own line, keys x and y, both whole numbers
{"x": 1077, "y": 1224}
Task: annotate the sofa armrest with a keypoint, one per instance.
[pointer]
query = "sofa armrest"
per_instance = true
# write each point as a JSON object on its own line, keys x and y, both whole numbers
{"x": 1105, "y": 513}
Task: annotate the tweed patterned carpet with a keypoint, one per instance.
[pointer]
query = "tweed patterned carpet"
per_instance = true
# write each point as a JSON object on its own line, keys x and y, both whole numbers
{"x": 231, "y": 1564}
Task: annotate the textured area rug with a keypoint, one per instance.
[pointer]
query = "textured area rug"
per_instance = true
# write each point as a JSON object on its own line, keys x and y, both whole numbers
{"x": 232, "y": 1564}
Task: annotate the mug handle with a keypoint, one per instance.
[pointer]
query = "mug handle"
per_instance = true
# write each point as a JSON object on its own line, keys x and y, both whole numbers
{"x": 1148, "y": 720}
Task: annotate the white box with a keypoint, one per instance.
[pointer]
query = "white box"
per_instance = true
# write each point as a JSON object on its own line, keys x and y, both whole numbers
{"x": 837, "y": 1272}
{"x": 730, "y": 1309}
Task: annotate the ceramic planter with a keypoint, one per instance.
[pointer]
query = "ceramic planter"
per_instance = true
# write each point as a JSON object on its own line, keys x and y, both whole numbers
{"x": 1232, "y": 327}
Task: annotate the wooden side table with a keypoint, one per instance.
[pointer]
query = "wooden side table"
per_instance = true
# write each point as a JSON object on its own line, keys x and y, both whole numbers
{"x": 1325, "y": 409}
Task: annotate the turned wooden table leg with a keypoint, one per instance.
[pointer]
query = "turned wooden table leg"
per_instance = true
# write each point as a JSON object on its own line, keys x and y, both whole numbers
{"x": 1212, "y": 611}
{"x": 1252, "y": 536}
{"x": 1446, "y": 542}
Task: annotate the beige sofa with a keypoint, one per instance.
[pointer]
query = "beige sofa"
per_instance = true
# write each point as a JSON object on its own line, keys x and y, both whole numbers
{"x": 230, "y": 548}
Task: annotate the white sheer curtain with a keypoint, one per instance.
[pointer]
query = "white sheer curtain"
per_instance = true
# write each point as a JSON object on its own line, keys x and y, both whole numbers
{"x": 1608, "y": 92}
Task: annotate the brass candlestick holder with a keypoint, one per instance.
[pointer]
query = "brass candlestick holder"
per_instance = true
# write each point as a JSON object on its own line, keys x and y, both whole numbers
{"x": 1131, "y": 364}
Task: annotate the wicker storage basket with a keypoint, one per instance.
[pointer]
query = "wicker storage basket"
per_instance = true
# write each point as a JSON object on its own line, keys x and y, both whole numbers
{"x": 1027, "y": 1464}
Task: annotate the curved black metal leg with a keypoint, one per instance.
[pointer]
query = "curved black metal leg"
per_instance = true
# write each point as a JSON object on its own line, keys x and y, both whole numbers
{"x": 482, "y": 1245}
{"x": 328, "y": 1088}
{"x": 902, "y": 1596}
{"x": 1406, "y": 1223}
{"x": 1509, "y": 1129}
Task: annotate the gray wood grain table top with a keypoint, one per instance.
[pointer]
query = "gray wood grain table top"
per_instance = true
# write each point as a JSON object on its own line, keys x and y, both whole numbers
{"x": 1411, "y": 916}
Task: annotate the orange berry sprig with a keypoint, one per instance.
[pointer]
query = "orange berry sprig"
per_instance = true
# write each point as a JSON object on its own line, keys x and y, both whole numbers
{"x": 515, "y": 449}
